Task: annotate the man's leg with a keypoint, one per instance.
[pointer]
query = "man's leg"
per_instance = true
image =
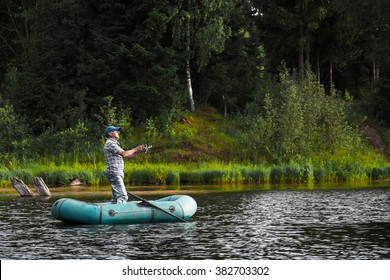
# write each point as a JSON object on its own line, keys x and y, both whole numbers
{"x": 119, "y": 194}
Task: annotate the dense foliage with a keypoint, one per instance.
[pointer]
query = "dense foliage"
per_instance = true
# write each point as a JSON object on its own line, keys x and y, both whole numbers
{"x": 296, "y": 78}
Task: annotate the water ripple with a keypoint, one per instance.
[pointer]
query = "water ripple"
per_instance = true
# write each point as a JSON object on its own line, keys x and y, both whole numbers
{"x": 333, "y": 224}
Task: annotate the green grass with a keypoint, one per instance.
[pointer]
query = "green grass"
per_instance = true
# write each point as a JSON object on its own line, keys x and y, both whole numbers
{"x": 202, "y": 173}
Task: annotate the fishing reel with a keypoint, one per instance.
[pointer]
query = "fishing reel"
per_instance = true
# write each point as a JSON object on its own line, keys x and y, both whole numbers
{"x": 147, "y": 147}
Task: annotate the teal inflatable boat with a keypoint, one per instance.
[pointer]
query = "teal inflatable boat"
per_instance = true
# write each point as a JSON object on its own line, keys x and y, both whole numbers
{"x": 175, "y": 208}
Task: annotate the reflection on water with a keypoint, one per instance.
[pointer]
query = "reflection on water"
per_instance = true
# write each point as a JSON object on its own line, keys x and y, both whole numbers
{"x": 240, "y": 224}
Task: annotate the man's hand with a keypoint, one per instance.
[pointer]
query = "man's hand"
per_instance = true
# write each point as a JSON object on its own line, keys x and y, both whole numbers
{"x": 141, "y": 148}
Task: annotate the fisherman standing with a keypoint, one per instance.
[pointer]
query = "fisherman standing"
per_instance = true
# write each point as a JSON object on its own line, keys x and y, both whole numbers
{"x": 114, "y": 156}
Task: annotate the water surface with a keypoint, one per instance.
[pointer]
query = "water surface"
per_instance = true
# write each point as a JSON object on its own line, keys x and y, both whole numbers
{"x": 284, "y": 223}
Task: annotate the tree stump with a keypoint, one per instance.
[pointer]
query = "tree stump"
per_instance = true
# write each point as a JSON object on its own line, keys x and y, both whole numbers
{"x": 21, "y": 187}
{"x": 41, "y": 187}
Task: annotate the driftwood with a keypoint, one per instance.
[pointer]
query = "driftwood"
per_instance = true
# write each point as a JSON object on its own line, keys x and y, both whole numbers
{"x": 41, "y": 187}
{"x": 24, "y": 190}
{"x": 21, "y": 187}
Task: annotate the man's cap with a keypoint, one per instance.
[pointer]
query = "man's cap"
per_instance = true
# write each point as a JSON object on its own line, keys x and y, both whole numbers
{"x": 111, "y": 128}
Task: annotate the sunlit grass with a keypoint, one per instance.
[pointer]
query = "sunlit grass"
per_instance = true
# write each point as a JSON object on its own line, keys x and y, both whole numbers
{"x": 332, "y": 169}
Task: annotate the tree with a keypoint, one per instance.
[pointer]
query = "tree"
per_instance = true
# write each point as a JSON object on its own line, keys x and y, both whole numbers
{"x": 233, "y": 76}
{"x": 16, "y": 32}
{"x": 87, "y": 50}
{"x": 289, "y": 28}
{"x": 200, "y": 31}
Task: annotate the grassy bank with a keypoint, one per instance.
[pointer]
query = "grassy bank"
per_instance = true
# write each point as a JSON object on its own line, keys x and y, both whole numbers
{"x": 205, "y": 148}
{"x": 202, "y": 173}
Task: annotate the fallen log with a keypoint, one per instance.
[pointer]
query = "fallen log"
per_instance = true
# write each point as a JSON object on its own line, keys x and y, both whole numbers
{"x": 21, "y": 187}
{"x": 41, "y": 186}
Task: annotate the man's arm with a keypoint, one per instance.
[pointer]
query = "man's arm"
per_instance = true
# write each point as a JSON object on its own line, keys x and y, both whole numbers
{"x": 133, "y": 152}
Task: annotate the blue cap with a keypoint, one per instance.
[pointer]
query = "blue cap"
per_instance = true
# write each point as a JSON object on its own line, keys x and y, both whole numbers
{"x": 111, "y": 128}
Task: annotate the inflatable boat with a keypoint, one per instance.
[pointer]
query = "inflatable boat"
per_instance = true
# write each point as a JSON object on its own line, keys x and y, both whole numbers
{"x": 175, "y": 208}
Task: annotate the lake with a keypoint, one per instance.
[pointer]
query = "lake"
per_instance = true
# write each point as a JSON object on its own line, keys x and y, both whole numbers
{"x": 274, "y": 223}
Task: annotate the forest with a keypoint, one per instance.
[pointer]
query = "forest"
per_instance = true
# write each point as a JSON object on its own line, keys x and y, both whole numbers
{"x": 256, "y": 90}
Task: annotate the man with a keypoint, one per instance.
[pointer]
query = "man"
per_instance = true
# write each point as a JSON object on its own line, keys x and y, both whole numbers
{"x": 114, "y": 155}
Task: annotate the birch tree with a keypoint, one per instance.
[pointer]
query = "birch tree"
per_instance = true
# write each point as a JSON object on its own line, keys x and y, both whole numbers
{"x": 200, "y": 31}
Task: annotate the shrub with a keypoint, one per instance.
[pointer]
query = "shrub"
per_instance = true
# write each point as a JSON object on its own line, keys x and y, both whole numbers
{"x": 298, "y": 121}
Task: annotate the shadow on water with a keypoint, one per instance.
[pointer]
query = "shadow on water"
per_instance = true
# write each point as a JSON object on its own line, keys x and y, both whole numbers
{"x": 233, "y": 222}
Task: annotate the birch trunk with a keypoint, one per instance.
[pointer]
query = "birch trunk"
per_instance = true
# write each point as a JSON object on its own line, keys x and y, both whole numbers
{"x": 375, "y": 69}
{"x": 189, "y": 84}
{"x": 331, "y": 76}
{"x": 318, "y": 69}
{"x": 301, "y": 62}
{"x": 188, "y": 66}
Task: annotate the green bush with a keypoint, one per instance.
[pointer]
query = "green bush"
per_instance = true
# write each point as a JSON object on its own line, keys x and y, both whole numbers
{"x": 298, "y": 121}
{"x": 380, "y": 173}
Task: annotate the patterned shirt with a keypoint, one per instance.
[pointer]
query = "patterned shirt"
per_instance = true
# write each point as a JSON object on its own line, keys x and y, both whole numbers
{"x": 114, "y": 161}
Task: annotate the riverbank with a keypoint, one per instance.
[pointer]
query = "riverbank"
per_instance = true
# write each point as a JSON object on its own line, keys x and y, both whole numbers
{"x": 201, "y": 148}
{"x": 330, "y": 171}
